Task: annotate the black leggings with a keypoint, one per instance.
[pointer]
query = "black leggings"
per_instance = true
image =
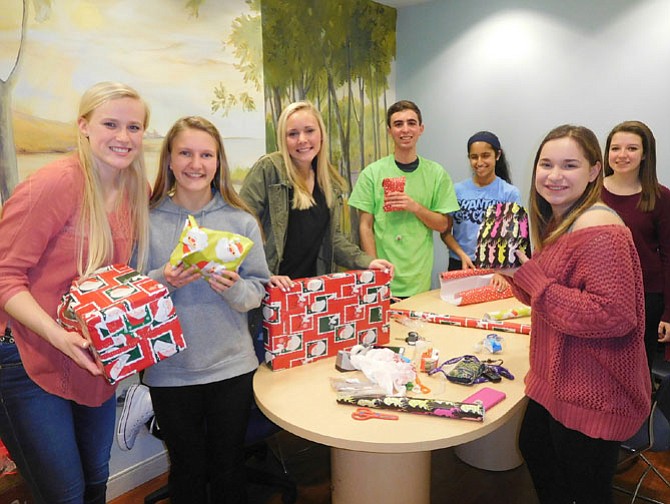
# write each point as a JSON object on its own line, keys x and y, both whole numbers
{"x": 653, "y": 309}
{"x": 204, "y": 427}
{"x": 566, "y": 466}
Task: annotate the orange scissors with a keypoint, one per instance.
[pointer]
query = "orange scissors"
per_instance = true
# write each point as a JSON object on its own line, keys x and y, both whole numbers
{"x": 367, "y": 414}
{"x": 422, "y": 387}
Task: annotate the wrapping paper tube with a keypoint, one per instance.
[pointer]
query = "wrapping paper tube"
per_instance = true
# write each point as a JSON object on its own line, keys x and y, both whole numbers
{"x": 424, "y": 406}
{"x": 454, "y": 320}
{"x": 519, "y": 311}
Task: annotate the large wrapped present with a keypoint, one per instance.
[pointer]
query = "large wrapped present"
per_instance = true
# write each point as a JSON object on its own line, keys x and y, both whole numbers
{"x": 503, "y": 232}
{"x": 321, "y": 315}
{"x": 209, "y": 250}
{"x": 128, "y": 318}
{"x": 471, "y": 286}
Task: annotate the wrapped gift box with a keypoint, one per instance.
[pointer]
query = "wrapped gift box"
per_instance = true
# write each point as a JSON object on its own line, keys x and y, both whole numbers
{"x": 128, "y": 318}
{"x": 321, "y": 315}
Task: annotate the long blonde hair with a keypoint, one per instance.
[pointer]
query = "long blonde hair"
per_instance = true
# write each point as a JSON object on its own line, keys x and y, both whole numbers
{"x": 326, "y": 175}
{"x": 165, "y": 179}
{"x": 545, "y": 229}
{"x": 93, "y": 221}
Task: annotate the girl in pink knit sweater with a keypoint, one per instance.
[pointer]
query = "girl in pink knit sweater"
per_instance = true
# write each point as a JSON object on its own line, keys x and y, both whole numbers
{"x": 588, "y": 383}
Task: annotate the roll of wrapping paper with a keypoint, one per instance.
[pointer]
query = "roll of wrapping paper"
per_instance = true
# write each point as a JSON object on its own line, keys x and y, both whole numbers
{"x": 519, "y": 311}
{"x": 454, "y": 320}
{"x": 433, "y": 407}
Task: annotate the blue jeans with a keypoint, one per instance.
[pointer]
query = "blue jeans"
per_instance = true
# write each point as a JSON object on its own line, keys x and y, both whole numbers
{"x": 60, "y": 447}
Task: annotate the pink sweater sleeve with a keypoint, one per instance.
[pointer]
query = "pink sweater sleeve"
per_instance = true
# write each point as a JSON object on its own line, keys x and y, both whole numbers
{"x": 580, "y": 284}
{"x": 40, "y": 208}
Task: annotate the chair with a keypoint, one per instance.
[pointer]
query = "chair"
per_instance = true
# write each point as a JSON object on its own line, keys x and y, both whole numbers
{"x": 260, "y": 431}
{"x": 653, "y": 436}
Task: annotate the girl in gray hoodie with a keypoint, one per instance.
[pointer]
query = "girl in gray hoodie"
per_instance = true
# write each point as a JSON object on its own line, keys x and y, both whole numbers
{"x": 202, "y": 396}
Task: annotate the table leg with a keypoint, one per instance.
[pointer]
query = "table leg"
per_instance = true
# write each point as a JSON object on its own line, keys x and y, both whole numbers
{"x": 497, "y": 451}
{"x": 391, "y": 478}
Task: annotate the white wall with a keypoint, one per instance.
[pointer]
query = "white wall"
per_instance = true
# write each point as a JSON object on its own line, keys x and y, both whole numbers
{"x": 147, "y": 460}
{"x": 521, "y": 67}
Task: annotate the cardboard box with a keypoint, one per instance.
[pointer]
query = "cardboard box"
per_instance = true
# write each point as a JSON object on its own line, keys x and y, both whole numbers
{"x": 128, "y": 318}
{"x": 321, "y": 315}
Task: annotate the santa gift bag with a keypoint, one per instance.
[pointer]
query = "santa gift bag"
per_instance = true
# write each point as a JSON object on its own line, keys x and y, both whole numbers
{"x": 128, "y": 318}
{"x": 321, "y": 315}
{"x": 503, "y": 232}
{"x": 209, "y": 250}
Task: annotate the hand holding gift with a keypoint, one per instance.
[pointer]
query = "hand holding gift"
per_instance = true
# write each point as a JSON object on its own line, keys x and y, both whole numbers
{"x": 126, "y": 317}
{"x": 209, "y": 251}
{"x": 392, "y": 185}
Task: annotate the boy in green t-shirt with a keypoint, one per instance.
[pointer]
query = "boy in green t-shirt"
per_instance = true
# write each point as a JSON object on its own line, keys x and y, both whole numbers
{"x": 404, "y": 235}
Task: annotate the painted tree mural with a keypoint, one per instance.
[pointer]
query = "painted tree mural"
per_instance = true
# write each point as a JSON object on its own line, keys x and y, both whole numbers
{"x": 337, "y": 54}
{"x": 9, "y": 171}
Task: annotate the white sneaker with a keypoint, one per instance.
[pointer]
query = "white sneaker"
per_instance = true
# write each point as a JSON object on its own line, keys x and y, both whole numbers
{"x": 137, "y": 410}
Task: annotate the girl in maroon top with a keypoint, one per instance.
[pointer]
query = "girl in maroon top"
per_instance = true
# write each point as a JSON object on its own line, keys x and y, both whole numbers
{"x": 632, "y": 189}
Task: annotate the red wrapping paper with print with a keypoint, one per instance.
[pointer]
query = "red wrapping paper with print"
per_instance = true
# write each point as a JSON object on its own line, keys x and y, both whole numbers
{"x": 392, "y": 184}
{"x": 128, "y": 317}
{"x": 455, "y": 320}
{"x": 464, "y": 287}
{"x": 321, "y": 315}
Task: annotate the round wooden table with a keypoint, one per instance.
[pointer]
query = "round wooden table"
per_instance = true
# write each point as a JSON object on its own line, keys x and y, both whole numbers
{"x": 389, "y": 461}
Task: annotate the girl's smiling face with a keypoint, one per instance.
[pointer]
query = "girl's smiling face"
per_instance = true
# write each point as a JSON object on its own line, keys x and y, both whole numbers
{"x": 115, "y": 130}
{"x": 562, "y": 173}
{"x": 626, "y": 153}
{"x": 193, "y": 161}
{"x": 483, "y": 159}
{"x": 303, "y": 138}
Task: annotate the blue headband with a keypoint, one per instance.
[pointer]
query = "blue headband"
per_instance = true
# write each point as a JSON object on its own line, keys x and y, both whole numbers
{"x": 485, "y": 136}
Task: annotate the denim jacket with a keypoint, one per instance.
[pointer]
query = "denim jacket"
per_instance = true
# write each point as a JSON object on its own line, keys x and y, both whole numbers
{"x": 266, "y": 191}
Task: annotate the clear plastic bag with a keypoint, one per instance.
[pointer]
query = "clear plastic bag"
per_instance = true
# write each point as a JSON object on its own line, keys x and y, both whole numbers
{"x": 356, "y": 387}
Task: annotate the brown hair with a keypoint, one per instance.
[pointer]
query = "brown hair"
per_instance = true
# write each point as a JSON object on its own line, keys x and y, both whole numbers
{"x": 647, "y": 173}
{"x": 165, "y": 179}
{"x": 544, "y": 228}
{"x": 401, "y": 105}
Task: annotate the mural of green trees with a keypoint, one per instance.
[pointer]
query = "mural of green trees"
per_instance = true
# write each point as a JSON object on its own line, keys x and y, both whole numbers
{"x": 9, "y": 173}
{"x": 337, "y": 54}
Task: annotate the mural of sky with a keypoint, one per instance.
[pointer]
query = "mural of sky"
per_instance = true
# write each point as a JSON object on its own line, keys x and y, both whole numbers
{"x": 173, "y": 58}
